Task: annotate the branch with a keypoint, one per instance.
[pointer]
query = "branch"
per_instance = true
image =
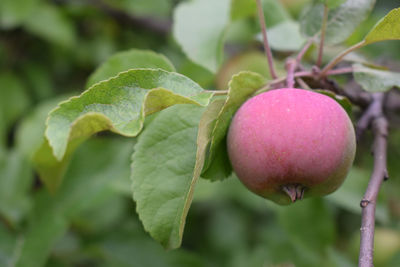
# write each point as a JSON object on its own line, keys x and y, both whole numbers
{"x": 367, "y": 117}
{"x": 293, "y": 64}
{"x": 339, "y": 57}
{"x": 379, "y": 174}
{"x": 267, "y": 49}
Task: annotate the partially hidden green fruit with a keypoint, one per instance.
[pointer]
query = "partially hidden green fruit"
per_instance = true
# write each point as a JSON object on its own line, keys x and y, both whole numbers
{"x": 288, "y": 143}
{"x": 386, "y": 246}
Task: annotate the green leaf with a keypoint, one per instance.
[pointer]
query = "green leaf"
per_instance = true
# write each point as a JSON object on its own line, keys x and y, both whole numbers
{"x": 199, "y": 28}
{"x": 90, "y": 179}
{"x": 254, "y": 61}
{"x": 241, "y": 87}
{"x": 387, "y": 28}
{"x": 14, "y": 12}
{"x": 221, "y": 167}
{"x": 341, "y": 23}
{"x": 241, "y": 9}
{"x": 197, "y": 73}
{"x": 120, "y": 105}
{"x": 15, "y": 183}
{"x": 286, "y": 36}
{"x": 143, "y": 7}
{"x": 52, "y": 25}
{"x": 162, "y": 172}
{"x": 46, "y": 225}
{"x": 31, "y": 143}
{"x": 8, "y": 242}
{"x": 274, "y": 12}
{"x": 296, "y": 220}
{"x": 374, "y": 80}
{"x": 29, "y": 135}
{"x": 332, "y": 3}
{"x": 131, "y": 59}
{"x": 13, "y": 98}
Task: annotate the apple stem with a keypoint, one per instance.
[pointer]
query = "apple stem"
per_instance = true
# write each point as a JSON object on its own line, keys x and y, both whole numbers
{"x": 294, "y": 192}
{"x": 291, "y": 66}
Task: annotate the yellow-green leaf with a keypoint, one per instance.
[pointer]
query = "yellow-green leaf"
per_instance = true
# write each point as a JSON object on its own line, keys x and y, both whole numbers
{"x": 387, "y": 28}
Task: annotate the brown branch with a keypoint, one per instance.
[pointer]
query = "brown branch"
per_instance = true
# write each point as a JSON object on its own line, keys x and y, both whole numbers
{"x": 339, "y": 58}
{"x": 293, "y": 64}
{"x": 379, "y": 174}
{"x": 368, "y": 116}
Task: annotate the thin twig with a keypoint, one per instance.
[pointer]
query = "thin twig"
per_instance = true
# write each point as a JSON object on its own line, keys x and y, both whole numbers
{"x": 267, "y": 48}
{"x": 304, "y": 74}
{"x": 339, "y": 57}
{"x": 322, "y": 39}
{"x": 365, "y": 120}
{"x": 293, "y": 64}
{"x": 302, "y": 83}
{"x": 305, "y": 48}
{"x": 379, "y": 174}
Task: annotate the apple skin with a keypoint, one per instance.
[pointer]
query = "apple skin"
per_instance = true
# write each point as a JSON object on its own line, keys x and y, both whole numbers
{"x": 291, "y": 139}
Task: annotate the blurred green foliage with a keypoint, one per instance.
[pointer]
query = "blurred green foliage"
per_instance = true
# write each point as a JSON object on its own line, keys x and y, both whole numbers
{"x": 48, "y": 49}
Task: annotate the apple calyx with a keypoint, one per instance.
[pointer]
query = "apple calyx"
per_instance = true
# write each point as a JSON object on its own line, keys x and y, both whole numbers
{"x": 294, "y": 191}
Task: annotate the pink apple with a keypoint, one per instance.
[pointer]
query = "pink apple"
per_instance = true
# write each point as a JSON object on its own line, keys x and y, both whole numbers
{"x": 288, "y": 143}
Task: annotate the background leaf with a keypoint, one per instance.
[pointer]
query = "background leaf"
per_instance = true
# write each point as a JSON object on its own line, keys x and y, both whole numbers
{"x": 90, "y": 178}
{"x": 332, "y": 3}
{"x": 143, "y": 7}
{"x": 14, "y": 99}
{"x": 8, "y": 242}
{"x": 286, "y": 36}
{"x": 51, "y": 24}
{"x": 374, "y": 80}
{"x": 341, "y": 23}
{"x": 274, "y": 12}
{"x": 15, "y": 182}
{"x": 162, "y": 172}
{"x": 13, "y": 13}
{"x": 296, "y": 221}
{"x": 131, "y": 59}
{"x": 200, "y": 36}
{"x": 254, "y": 61}
{"x": 242, "y": 8}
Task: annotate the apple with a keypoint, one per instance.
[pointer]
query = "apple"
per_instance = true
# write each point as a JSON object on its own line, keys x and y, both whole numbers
{"x": 289, "y": 143}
